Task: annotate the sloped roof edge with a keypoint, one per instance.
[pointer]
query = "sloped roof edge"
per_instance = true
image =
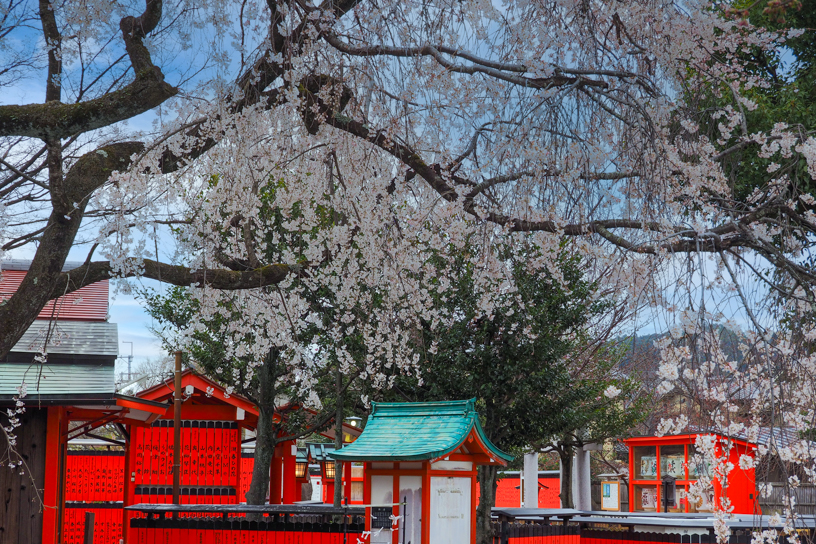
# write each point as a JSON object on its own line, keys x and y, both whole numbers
{"x": 24, "y": 264}
{"x": 418, "y": 431}
{"x": 190, "y": 377}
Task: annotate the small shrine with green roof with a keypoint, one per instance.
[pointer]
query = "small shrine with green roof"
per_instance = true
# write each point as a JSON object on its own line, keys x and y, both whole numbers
{"x": 420, "y": 475}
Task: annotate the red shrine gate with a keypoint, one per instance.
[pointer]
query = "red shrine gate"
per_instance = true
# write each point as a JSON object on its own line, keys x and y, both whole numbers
{"x": 212, "y": 468}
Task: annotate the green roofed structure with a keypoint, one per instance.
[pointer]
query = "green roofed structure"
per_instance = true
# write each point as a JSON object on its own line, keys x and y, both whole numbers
{"x": 421, "y": 431}
{"x": 420, "y": 470}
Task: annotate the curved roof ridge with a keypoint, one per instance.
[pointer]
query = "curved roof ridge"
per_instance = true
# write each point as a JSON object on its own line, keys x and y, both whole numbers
{"x": 416, "y": 431}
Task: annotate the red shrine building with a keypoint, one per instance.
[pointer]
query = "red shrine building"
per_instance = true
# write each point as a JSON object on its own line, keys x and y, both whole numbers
{"x": 653, "y": 459}
{"x": 73, "y": 394}
{"x": 69, "y": 395}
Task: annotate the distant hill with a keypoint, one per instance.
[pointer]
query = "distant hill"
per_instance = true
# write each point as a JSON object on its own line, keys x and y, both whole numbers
{"x": 642, "y": 354}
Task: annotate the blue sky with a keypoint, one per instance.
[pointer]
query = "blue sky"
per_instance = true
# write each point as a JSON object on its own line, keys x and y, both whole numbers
{"x": 134, "y": 323}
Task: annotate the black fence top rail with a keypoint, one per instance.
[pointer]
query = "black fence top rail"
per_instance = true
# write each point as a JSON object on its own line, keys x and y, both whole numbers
{"x": 226, "y": 509}
{"x": 707, "y": 523}
{"x": 642, "y": 519}
{"x": 537, "y": 512}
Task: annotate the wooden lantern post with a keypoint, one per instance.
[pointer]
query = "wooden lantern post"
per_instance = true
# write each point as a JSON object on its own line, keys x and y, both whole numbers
{"x": 177, "y": 431}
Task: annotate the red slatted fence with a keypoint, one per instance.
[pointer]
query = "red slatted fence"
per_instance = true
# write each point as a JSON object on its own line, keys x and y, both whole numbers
{"x": 210, "y": 462}
{"x": 536, "y": 533}
{"x": 95, "y": 479}
{"x": 94, "y": 482}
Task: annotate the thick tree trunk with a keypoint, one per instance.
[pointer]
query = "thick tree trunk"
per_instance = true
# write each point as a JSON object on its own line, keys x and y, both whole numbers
{"x": 567, "y": 500}
{"x": 487, "y": 477}
{"x": 265, "y": 442}
{"x": 338, "y": 439}
{"x": 266, "y": 434}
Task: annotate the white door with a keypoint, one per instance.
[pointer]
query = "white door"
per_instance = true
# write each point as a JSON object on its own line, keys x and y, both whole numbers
{"x": 382, "y": 493}
{"x": 450, "y": 510}
{"x": 409, "y": 529}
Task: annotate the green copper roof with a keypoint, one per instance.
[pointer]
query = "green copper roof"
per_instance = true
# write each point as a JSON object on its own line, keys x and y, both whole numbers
{"x": 317, "y": 451}
{"x": 302, "y": 455}
{"x": 415, "y": 431}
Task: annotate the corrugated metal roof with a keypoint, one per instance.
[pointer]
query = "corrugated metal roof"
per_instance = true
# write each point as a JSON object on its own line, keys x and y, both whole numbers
{"x": 70, "y": 338}
{"x": 89, "y": 303}
{"x": 21, "y": 264}
{"x": 57, "y": 379}
{"x": 413, "y": 431}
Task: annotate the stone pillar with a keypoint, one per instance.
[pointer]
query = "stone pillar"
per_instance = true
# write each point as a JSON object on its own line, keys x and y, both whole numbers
{"x": 582, "y": 477}
{"x": 530, "y": 498}
{"x": 581, "y": 481}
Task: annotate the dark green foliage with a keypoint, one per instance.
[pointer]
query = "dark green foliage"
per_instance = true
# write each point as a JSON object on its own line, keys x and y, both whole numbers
{"x": 536, "y": 372}
{"x": 530, "y": 363}
{"x": 790, "y": 98}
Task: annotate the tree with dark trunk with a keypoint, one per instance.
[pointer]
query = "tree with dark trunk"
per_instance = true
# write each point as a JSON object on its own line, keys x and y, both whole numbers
{"x": 655, "y": 148}
{"x": 523, "y": 362}
{"x": 271, "y": 385}
{"x": 68, "y": 164}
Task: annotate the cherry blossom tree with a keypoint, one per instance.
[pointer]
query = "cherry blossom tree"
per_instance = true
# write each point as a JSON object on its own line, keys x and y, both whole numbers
{"x": 420, "y": 125}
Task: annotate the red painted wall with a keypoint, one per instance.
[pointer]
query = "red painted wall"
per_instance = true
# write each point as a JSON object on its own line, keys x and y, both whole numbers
{"x": 107, "y": 524}
{"x": 741, "y": 484}
{"x": 508, "y": 492}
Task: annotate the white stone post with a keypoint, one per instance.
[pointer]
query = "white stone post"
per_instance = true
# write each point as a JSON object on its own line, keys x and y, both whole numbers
{"x": 581, "y": 481}
{"x": 582, "y": 478}
{"x": 530, "y": 497}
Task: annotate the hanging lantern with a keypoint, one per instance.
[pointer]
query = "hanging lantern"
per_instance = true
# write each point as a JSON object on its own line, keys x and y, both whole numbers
{"x": 355, "y": 421}
{"x": 328, "y": 470}
{"x": 300, "y": 469}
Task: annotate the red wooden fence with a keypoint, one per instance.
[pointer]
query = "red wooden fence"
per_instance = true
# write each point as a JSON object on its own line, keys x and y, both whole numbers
{"x": 210, "y": 458}
{"x": 247, "y": 464}
{"x": 94, "y": 482}
{"x": 529, "y": 533}
{"x": 107, "y": 522}
{"x": 95, "y": 476}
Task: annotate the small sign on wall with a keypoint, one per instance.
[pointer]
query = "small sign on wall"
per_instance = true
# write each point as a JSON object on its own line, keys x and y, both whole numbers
{"x": 610, "y": 495}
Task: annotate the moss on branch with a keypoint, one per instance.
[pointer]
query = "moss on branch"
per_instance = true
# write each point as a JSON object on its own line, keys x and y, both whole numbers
{"x": 228, "y": 280}
{"x": 58, "y": 120}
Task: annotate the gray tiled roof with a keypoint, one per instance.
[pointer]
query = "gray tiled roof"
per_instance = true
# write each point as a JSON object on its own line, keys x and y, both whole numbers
{"x": 71, "y": 338}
